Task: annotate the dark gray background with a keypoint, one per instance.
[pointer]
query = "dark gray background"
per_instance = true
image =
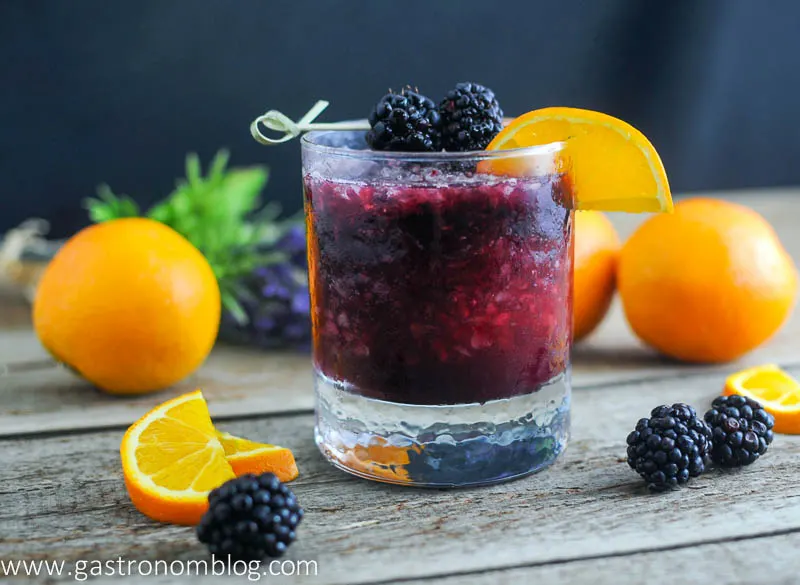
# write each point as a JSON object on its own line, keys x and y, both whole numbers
{"x": 119, "y": 91}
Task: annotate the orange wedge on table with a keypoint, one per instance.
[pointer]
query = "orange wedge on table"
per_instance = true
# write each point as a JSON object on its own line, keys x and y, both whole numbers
{"x": 250, "y": 457}
{"x": 777, "y": 391}
{"x": 173, "y": 456}
{"x": 614, "y": 167}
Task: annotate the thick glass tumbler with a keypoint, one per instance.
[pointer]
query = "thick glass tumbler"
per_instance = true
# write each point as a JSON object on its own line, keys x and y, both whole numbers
{"x": 441, "y": 300}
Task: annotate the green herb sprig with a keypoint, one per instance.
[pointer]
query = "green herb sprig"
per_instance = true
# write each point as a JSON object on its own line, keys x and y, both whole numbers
{"x": 221, "y": 213}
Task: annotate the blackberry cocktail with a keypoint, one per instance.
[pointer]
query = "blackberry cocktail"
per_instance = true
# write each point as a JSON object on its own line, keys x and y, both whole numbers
{"x": 442, "y": 309}
{"x": 440, "y": 249}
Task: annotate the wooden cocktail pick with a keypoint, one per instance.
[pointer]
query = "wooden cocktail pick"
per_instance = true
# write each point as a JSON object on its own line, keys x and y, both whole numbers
{"x": 279, "y": 122}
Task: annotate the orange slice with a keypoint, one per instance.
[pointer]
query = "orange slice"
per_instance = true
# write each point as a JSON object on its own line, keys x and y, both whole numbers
{"x": 172, "y": 458}
{"x": 777, "y": 391}
{"x": 250, "y": 457}
{"x": 614, "y": 166}
{"x": 382, "y": 460}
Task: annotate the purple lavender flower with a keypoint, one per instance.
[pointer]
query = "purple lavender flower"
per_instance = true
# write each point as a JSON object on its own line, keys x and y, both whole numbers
{"x": 275, "y": 299}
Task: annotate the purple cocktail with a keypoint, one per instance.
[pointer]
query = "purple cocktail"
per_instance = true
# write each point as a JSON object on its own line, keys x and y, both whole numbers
{"x": 442, "y": 310}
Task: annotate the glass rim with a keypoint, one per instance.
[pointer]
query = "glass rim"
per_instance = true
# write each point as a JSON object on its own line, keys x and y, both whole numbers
{"x": 307, "y": 141}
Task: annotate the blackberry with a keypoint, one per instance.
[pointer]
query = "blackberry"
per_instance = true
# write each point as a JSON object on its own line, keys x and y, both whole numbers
{"x": 250, "y": 517}
{"x": 669, "y": 447}
{"x": 741, "y": 430}
{"x": 407, "y": 121}
{"x": 471, "y": 117}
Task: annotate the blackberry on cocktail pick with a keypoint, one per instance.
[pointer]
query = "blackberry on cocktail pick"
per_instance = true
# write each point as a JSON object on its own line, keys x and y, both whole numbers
{"x": 669, "y": 447}
{"x": 250, "y": 517}
{"x": 407, "y": 121}
{"x": 471, "y": 117}
{"x": 741, "y": 430}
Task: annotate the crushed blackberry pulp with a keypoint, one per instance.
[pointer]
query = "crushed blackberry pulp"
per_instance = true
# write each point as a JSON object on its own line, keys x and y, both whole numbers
{"x": 440, "y": 293}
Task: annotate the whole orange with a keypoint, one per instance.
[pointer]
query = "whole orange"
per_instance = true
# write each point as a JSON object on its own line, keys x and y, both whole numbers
{"x": 708, "y": 283}
{"x": 596, "y": 252}
{"x": 128, "y": 304}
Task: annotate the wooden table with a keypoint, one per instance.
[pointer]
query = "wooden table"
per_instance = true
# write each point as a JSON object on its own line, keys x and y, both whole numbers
{"x": 586, "y": 519}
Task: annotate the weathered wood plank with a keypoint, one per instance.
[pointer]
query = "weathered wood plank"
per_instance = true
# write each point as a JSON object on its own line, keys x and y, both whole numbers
{"x": 727, "y": 563}
{"x": 63, "y": 497}
{"x": 240, "y": 381}
{"x": 252, "y": 382}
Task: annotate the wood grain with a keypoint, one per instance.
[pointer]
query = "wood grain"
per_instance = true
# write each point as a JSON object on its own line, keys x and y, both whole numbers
{"x": 63, "y": 497}
{"x": 730, "y": 563}
{"x": 240, "y": 381}
{"x": 720, "y": 563}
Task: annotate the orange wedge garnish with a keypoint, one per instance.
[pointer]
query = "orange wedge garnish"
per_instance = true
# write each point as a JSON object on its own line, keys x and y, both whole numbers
{"x": 777, "y": 391}
{"x": 250, "y": 457}
{"x": 614, "y": 166}
{"x": 172, "y": 458}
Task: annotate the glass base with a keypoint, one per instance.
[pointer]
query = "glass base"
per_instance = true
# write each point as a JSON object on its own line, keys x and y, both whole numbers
{"x": 445, "y": 446}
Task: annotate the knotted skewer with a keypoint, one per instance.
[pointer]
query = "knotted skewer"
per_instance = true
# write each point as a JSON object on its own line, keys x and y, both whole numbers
{"x": 279, "y": 122}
